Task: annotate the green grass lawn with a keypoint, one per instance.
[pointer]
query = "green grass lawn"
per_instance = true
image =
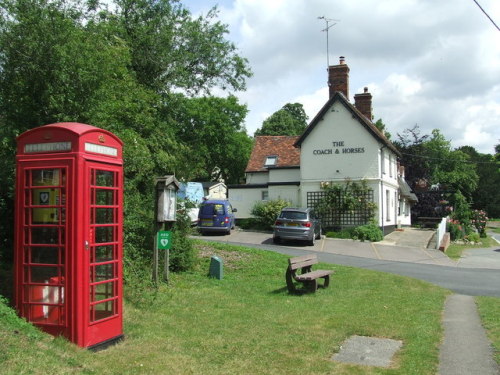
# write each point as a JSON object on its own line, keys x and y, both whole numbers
{"x": 489, "y": 310}
{"x": 247, "y": 323}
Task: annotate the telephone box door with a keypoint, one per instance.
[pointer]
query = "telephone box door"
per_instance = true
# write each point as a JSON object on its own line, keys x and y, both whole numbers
{"x": 103, "y": 248}
{"x": 43, "y": 276}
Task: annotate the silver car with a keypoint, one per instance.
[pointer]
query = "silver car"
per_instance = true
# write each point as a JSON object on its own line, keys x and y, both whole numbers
{"x": 297, "y": 224}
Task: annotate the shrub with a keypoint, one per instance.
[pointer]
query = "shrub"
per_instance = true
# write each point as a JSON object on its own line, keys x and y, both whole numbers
{"x": 343, "y": 234}
{"x": 473, "y": 237}
{"x": 462, "y": 212}
{"x": 267, "y": 212}
{"x": 368, "y": 232}
{"x": 250, "y": 223}
{"x": 182, "y": 253}
{"x": 479, "y": 219}
{"x": 456, "y": 230}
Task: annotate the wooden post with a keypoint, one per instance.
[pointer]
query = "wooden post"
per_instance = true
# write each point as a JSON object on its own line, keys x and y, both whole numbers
{"x": 166, "y": 265}
{"x": 155, "y": 259}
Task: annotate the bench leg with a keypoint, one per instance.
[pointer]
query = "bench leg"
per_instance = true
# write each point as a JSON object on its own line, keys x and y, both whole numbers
{"x": 289, "y": 281}
{"x": 313, "y": 285}
{"x": 327, "y": 281}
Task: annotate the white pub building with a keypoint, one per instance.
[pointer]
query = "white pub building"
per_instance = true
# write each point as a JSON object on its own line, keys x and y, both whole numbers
{"x": 340, "y": 143}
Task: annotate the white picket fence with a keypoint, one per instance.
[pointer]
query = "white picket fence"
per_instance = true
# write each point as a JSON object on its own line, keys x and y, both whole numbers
{"x": 441, "y": 230}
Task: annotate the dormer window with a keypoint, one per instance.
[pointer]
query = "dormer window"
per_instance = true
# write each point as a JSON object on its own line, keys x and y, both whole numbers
{"x": 271, "y": 161}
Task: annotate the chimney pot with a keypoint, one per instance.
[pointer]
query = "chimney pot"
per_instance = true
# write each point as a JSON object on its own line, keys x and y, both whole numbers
{"x": 341, "y": 60}
{"x": 366, "y": 90}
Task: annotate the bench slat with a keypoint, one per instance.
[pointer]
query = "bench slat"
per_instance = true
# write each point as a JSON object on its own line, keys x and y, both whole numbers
{"x": 302, "y": 261}
{"x": 313, "y": 275}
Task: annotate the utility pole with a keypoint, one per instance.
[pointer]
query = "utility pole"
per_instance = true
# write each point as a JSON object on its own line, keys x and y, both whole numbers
{"x": 326, "y": 29}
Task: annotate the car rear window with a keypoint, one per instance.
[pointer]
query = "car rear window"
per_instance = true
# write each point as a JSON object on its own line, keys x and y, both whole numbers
{"x": 212, "y": 209}
{"x": 293, "y": 215}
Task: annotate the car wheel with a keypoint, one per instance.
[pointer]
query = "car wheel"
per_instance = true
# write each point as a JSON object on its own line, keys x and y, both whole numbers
{"x": 276, "y": 240}
{"x": 312, "y": 241}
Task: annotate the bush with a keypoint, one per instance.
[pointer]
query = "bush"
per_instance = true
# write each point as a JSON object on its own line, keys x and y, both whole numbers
{"x": 479, "y": 219}
{"x": 462, "y": 212}
{"x": 473, "y": 237}
{"x": 342, "y": 234}
{"x": 368, "y": 232}
{"x": 250, "y": 223}
{"x": 267, "y": 212}
{"x": 182, "y": 253}
{"x": 456, "y": 230}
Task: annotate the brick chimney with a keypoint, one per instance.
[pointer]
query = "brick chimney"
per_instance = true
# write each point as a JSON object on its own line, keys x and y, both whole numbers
{"x": 338, "y": 78}
{"x": 363, "y": 103}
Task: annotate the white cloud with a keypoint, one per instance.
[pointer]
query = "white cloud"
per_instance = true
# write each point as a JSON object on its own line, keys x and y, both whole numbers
{"x": 426, "y": 62}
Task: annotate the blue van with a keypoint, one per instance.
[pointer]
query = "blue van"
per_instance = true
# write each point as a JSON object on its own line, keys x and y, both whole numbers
{"x": 216, "y": 216}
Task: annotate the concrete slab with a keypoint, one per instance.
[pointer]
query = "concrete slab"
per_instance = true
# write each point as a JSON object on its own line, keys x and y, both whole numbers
{"x": 368, "y": 351}
{"x": 396, "y": 253}
{"x": 409, "y": 237}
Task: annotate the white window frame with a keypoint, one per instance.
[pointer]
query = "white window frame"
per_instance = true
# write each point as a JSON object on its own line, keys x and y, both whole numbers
{"x": 264, "y": 194}
{"x": 271, "y": 160}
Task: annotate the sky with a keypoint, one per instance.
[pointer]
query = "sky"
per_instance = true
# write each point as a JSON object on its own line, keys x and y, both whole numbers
{"x": 435, "y": 64}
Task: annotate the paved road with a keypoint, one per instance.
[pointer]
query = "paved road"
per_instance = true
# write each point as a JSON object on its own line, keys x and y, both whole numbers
{"x": 477, "y": 273}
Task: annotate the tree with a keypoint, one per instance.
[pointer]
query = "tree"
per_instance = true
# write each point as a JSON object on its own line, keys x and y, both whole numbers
{"x": 63, "y": 60}
{"x": 449, "y": 167}
{"x": 485, "y": 197}
{"x": 411, "y": 145}
{"x": 431, "y": 158}
{"x": 291, "y": 119}
{"x": 212, "y": 128}
{"x": 170, "y": 49}
{"x": 381, "y": 126}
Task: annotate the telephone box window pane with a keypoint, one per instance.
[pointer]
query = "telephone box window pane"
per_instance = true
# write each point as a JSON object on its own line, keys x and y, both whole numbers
{"x": 44, "y": 235}
{"x": 40, "y": 274}
{"x": 45, "y": 294}
{"x": 45, "y": 216}
{"x": 104, "y": 178}
{"x": 103, "y": 272}
{"x": 45, "y": 177}
{"x": 45, "y": 197}
{"x": 104, "y": 234}
{"x": 44, "y": 255}
{"x": 103, "y": 310}
{"x": 104, "y": 216}
{"x": 46, "y": 314}
{"x": 103, "y": 291}
{"x": 104, "y": 197}
{"x": 103, "y": 253}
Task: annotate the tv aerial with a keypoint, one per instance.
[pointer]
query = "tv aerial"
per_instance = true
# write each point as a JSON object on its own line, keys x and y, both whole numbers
{"x": 329, "y": 23}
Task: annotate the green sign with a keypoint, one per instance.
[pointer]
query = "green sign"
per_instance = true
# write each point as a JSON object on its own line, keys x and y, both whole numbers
{"x": 164, "y": 240}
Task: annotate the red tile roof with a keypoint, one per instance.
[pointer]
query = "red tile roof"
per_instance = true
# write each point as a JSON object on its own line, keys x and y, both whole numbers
{"x": 274, "y": 145}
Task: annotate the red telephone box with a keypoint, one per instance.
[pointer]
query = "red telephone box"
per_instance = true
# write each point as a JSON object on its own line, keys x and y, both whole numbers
{"x": 68, "y": 240}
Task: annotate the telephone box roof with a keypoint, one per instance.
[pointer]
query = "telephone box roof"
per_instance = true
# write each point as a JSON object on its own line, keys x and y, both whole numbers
{"x": 76, "y": 128}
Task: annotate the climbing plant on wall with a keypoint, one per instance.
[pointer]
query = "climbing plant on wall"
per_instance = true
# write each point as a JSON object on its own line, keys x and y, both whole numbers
{"x": 343, "y": 205}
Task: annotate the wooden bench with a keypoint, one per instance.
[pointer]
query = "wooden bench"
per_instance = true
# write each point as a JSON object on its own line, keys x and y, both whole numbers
{"x": 306, "y": 276}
